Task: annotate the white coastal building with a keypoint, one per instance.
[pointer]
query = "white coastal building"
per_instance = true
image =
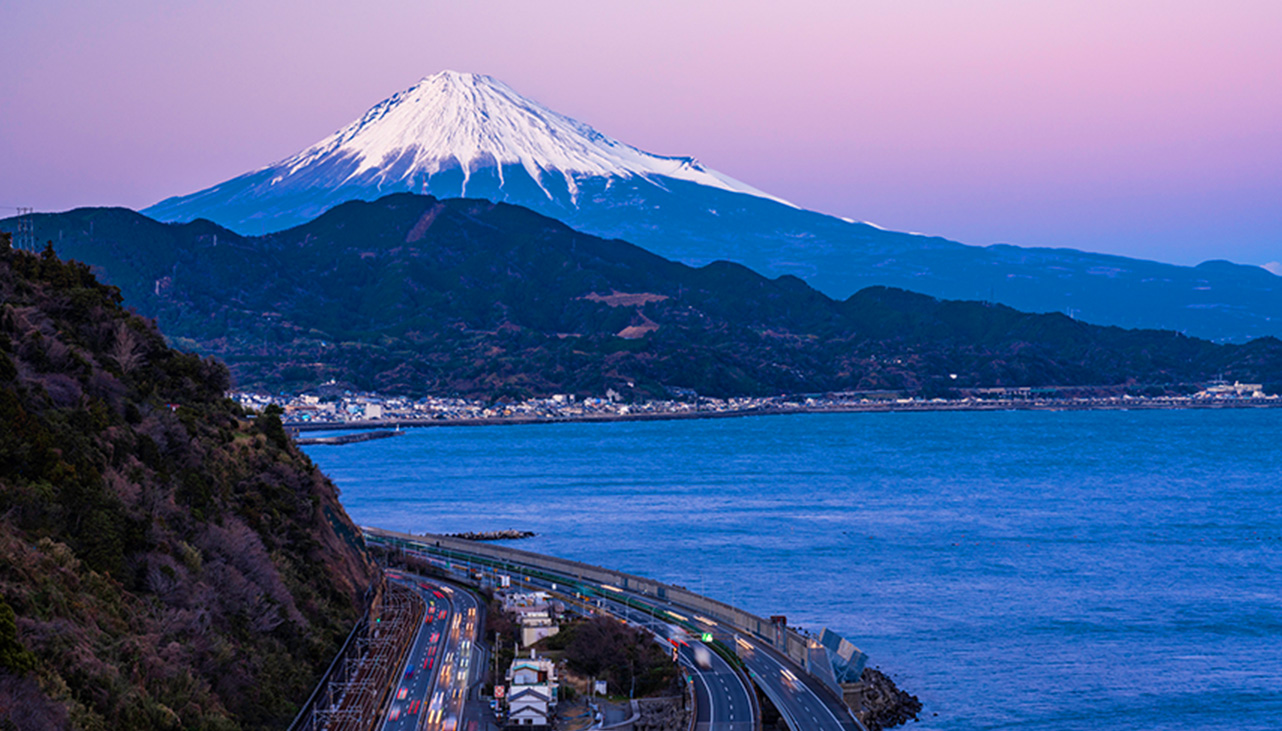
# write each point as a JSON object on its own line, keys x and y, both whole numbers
{"x": 531, "y": 693}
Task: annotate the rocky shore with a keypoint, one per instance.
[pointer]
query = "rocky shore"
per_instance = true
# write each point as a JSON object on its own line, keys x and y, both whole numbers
{"x": 494, "y": 535}
{"x": 884, "y": 704}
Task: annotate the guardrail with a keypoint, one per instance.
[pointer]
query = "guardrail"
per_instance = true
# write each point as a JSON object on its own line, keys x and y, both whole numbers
{"x": 806, "y": 652}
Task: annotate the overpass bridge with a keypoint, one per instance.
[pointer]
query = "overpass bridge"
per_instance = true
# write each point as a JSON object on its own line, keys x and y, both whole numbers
{"x": 797, "y": 672}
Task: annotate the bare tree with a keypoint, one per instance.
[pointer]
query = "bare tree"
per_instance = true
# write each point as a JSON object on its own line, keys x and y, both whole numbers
{"x": 128, "y": 348}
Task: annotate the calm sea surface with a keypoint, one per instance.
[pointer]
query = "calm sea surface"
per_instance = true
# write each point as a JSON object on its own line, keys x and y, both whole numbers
{"x": 1031, "y": 570}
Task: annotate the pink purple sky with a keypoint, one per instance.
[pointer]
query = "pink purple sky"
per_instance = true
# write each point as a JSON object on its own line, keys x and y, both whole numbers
{"x": 1150, "y": 129}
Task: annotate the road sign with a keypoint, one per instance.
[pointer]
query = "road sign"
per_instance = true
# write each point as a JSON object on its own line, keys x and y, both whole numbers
{"x": 706, "y": 637}
{"x": 499, "y": 690}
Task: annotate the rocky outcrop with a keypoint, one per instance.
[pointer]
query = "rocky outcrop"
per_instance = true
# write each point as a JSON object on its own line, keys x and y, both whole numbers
{"x": 494, "y": 535}
{"x": 884, "y": 704}
{"x": 662, "y": 714}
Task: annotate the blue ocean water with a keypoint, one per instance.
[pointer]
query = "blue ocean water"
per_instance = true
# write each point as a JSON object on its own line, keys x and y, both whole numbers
{"x": 1032, "y": 570}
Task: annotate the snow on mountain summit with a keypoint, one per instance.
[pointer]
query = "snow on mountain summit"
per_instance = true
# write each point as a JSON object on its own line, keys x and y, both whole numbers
{"x": 460, "y": 121}
{"x": 455, "y": 135}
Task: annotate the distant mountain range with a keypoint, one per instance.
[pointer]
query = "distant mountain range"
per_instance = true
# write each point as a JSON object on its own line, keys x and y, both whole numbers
{"x": 454, "y": 135}
{"x": 411, "y": 295}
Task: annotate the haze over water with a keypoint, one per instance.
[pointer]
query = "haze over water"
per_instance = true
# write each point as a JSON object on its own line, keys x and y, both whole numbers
{"x": 1038, "y": 570}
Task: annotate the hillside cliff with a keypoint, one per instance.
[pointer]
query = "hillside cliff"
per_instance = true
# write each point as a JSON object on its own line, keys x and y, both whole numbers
{"x": 165, "y": 561}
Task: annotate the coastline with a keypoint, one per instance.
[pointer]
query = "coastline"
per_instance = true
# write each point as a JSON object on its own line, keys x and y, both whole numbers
{"x": 870, "y": 407}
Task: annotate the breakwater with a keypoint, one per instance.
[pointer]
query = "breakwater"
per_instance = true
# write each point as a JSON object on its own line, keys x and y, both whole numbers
{"x": 494, "y": 535}
{"x": 363, "y": 436}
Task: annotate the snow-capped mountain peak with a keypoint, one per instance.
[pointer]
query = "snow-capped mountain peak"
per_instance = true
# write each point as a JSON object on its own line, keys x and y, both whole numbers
{"x": 469, "y": 135}
{"x": 469, "y": 122}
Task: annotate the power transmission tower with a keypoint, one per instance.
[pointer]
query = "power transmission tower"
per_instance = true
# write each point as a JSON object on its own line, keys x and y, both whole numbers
{"x": 24, "y": 238}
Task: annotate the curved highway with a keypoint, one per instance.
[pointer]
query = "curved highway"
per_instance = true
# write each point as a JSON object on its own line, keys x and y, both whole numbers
{"x": 442, "y": 664}
{"x": 803, "y": 701}
{"x": 722, "y": 701}
{"x": 800, "y": 699}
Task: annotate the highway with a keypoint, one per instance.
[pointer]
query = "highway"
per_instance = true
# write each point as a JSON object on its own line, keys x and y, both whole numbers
{"x": 803, "y": 701}
{"x": 442, "y": 665}
{"x": 722, "y": 701}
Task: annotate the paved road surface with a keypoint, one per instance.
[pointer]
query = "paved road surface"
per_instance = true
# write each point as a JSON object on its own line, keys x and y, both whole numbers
{"x": 442, "y": 665}
{"x": 804, "y": 703}
{"x": 722, "y": 702}
{"x": 417, "y": 679}
{"x": 800, "y": 700}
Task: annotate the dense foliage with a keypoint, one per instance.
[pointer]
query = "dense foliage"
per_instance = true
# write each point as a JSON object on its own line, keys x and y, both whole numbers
{"x": 413, "y": 295}
{"x": 165, "y": 561}
{"x": 626, "y": 657}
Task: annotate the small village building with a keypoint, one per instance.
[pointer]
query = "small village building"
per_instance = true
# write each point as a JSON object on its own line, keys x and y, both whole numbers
{"x": 536, "y": 623}
{"x": 531, "y": 693}
{"x": 1236, "y": 390}
{"x": 534, "y": 611}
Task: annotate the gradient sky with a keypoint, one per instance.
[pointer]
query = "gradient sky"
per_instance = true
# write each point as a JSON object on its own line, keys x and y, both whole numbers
{"x": 1150, "y": 129}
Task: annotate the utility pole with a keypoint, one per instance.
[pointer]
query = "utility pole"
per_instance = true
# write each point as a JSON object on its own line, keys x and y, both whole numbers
{"x": 495, "y": 692}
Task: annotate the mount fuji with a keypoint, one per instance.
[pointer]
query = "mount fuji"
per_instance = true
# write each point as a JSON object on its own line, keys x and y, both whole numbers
{"x": 468, "y": 135}
{"x": 451, "y": 135}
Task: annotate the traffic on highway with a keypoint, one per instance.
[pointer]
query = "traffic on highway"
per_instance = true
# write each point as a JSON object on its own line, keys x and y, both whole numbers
{"x": 804, "y": 705}
{"x": 723, "y": 700}
{"x": 441, "y": 666}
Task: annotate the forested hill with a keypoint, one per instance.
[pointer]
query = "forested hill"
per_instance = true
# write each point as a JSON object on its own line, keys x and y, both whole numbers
{"x": 412, "y": 295}
{"x": 165, "y": 562}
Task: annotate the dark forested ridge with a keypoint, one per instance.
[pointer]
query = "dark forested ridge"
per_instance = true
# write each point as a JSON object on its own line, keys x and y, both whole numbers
{"x": 414, "y": 295}
{"x": 165, "y": 562}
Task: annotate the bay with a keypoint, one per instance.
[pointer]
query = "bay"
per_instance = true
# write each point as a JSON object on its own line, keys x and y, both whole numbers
{"x": 1033, "y": 570}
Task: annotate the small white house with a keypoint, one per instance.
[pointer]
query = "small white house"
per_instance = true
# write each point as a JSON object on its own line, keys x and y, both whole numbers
{"x": 531, "y": 693}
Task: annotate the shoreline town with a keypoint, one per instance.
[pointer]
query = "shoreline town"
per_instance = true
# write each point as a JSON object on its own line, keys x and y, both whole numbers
{"x": 351, "y": 410}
